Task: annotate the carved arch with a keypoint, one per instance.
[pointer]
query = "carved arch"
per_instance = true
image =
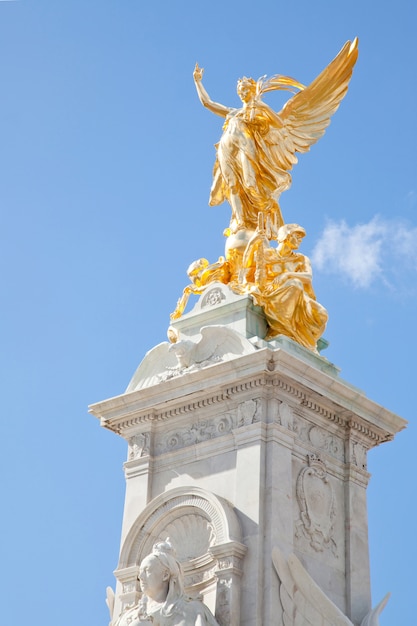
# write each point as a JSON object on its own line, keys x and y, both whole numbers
{"x": 206, "y": 534}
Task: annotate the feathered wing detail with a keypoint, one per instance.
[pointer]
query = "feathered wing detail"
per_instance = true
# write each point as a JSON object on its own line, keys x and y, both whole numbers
{"x": 110, "y": 602}
{"x": 287, "y": 588}
{"x": 372, "y": 619}
{"x": 305, "y": 117}
{"x": 154, "y": 364}
{"x": 304, "y": 603}
{"x": 216, "y": 343}
{"x": 220, "y": 343}
{"x": 278, "y": 81}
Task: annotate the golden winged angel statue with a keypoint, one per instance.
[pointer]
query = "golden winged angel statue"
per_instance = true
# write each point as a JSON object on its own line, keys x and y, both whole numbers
{"x": 254, "y": 158}
{"x": 258, "y": 146}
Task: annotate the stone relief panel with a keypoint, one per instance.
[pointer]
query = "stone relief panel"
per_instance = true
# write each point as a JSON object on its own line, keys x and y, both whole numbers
{"x": 301, "y": 428}
{"x": 249, "y": 412}
{"x": 316, "y": 501}
{"x": 326, "y": 441}
{"x": 318, "y": 437}
{"x": 138, "y": 446}
{"x": 358, "y": 454}
{"x": 246, "y": 413}
{"x": 201, "y": 430}
{"x": 286, "y": 416}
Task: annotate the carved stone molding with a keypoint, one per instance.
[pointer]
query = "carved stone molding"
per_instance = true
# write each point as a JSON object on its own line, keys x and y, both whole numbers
{"x": 317, "y": 505}
{"x": 269, "y": 381}
{"x": 277, "y": 370}
{"x": 192, "y": 406}
{"x": 170, "y": 506}
{"x": 283, "y": 385}
{"x": 324, "y": 412}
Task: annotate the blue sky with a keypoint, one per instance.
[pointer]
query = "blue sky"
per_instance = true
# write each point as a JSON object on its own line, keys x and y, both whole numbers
{"x": 105, "y": 168}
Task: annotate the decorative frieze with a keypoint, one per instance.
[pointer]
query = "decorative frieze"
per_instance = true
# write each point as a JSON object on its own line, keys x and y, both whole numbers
{"x": 246, "y": 413}
{"x": 271, "y": 384}
{"x": 199, "y": 431}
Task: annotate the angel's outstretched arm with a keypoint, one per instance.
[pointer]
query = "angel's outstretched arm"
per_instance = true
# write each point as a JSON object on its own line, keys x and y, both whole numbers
{"x": 214, "y": 107}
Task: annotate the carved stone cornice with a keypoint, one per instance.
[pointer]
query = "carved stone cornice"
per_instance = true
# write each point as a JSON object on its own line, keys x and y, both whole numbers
{"x": 268, "y": 372}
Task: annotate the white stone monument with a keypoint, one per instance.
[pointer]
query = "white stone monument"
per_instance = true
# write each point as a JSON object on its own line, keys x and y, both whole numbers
{"x": 251, "y": 457}
{"x": 246, "y": 472}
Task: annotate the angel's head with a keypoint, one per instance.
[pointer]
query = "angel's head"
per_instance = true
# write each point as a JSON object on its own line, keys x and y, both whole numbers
{"x": 246, "y": 89}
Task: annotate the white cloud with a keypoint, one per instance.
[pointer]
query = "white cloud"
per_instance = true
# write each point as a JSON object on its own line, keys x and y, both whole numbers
{"x": 366, "y": 253}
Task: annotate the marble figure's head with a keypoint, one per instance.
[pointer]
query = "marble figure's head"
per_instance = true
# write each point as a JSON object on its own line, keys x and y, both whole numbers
{"x": 160, "y": 574}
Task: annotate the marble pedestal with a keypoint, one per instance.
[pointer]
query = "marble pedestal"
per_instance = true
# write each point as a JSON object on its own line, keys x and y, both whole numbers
{"x": 243, "y": 452}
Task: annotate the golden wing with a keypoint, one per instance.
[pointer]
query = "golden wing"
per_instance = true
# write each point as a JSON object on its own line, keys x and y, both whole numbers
{"x": 305, "y": 117}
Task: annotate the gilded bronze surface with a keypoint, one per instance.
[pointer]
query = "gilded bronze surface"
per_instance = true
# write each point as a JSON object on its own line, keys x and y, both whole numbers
{"x": 280, "y": 281}
{"x": 254, "y": 157}
{"x": 258, "y": 146}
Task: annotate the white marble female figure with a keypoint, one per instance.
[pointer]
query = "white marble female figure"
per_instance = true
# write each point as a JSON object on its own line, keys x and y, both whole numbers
{"x": 163, "y": 602}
